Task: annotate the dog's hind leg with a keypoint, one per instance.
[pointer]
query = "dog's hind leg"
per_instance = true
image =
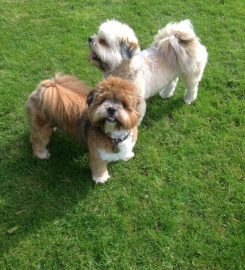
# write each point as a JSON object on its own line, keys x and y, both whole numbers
{"x": 141, "y": 108}
{"x": 191, "y": 83}
{"x": 191, "y": 90}
{"x": 193, "y": 77}
{"x": 41, "y": 132}
{"x": 169, "y": 89}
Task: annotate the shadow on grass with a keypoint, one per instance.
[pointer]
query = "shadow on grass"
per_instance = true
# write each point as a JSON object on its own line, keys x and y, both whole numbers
{"x": 157, "y": 109}
{"x": 34, "y": 192}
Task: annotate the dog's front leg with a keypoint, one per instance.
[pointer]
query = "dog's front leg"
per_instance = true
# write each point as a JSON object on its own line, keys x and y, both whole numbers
{"x": 169, "y": 89}
{"x": 99, "y": 169}
{"x": 141, "y": 108}
{"x": 139, "y": 83}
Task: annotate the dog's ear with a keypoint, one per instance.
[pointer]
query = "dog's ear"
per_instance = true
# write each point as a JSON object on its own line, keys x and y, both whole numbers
{"x": 128, "y": 49}
{"x": 90, "y": 97}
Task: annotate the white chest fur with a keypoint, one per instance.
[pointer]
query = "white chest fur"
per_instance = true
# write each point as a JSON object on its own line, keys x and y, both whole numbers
{"x": 124, "y": 151}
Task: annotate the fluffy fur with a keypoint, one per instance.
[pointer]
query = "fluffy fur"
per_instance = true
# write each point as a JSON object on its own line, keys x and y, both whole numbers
{"x": 176, "y": 51}
{"x": 104, "y": 119}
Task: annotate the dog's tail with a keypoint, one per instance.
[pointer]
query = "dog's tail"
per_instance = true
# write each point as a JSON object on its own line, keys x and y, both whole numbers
{"x": 178, "y": 44}
{"x": 63, "y": 97}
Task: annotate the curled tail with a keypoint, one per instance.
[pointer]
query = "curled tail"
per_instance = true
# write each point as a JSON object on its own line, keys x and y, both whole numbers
{"x": 63, "y": 97}
{"x": 179, "y": 45}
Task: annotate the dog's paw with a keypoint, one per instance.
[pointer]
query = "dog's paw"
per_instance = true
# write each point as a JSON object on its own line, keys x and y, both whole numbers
{"x": 165, "y": 94}
{"x": 102, "y": 179}
{"x": 128, "y": 157}
{"x": 188, "y": 100}
{"x": 43, "y": 155}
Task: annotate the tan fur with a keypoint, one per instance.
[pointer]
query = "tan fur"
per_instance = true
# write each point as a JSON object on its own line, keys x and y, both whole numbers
{"x": 62, "y": 97}
{"x": 132, "y": 46}
{"x": 124, "y": 92}
{"x": 62, "y": 102}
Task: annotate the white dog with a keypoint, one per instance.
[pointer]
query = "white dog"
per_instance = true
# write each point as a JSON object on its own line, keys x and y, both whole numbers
{"x": 176, "y": 51}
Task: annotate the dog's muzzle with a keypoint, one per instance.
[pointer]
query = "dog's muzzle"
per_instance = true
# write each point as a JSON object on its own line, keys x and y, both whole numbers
{"x": 98, "y": 62}
{"x": 111, "y": 114}
{"x": 94, "y": 57}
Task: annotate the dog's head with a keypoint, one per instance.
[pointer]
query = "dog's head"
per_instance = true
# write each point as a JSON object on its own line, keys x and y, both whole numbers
{"x": 115, "y": 42}
{"x": 112, "y": 105}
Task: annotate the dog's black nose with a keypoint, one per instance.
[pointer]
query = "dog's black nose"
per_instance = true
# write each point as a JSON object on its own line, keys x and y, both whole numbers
{"x": 111, "y": 110}
{"x": 90, "y": 39}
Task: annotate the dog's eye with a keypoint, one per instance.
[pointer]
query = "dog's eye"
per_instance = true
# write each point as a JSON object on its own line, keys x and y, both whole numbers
{"x": 125, "y": 105}
{"x": 102, "y": 42}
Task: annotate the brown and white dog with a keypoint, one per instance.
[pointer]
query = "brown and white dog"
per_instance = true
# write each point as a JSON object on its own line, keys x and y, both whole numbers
{"x": 103, "y": 119}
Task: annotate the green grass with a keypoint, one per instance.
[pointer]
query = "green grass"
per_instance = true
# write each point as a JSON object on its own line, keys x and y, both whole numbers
{"x": 179, "y": 204}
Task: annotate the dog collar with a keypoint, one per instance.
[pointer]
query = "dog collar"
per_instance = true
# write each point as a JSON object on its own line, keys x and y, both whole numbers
{"x": 115, "y": 142}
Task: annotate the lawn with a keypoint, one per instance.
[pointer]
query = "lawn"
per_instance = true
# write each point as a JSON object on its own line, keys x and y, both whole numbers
{"x": 179, "y": 204}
